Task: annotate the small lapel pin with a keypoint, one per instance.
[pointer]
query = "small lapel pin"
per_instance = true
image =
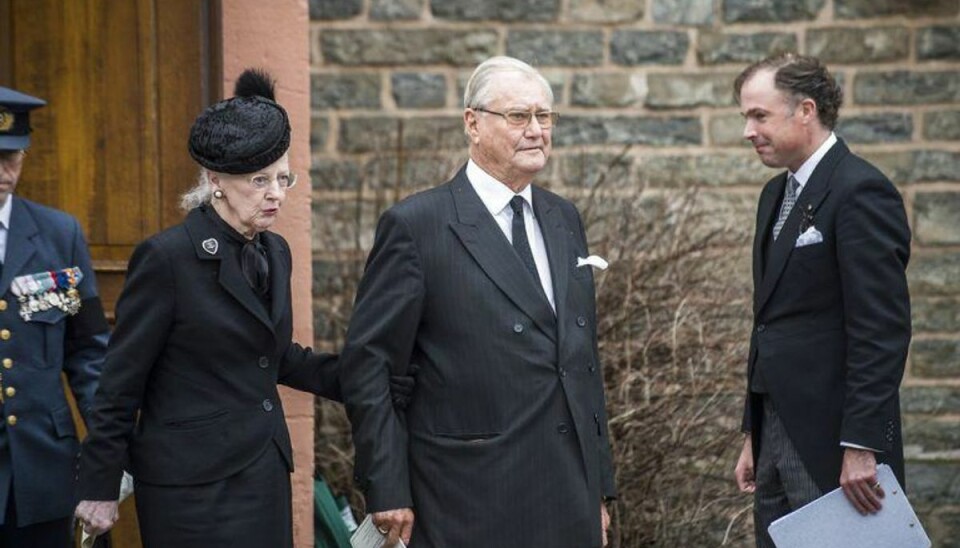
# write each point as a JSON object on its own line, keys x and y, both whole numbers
{"x": 594, "y": 261}
{"x": 211, "y": 245}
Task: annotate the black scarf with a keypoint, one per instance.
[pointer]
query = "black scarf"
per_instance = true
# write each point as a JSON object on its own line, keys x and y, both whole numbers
{"x": 252, "y": 253}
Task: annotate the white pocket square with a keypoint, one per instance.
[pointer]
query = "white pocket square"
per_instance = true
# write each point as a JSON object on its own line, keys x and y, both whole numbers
{"x": 810, "y": 237}
{"x": 594, "y": 261}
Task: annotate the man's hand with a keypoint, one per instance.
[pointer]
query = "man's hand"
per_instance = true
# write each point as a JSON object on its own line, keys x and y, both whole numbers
{"x": 604, "y": 522}
{"x": 97, "y": 516}
{"x": 858, "y": 478}
{"x": 744, "y": 472}
{"x": 395, "y": 524}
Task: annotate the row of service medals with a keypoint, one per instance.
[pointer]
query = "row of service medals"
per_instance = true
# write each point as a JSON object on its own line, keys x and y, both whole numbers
{"x": 42, "y": 291}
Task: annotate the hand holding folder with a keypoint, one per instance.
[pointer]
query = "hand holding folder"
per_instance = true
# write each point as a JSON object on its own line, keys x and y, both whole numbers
{"x": 832, "y": 522}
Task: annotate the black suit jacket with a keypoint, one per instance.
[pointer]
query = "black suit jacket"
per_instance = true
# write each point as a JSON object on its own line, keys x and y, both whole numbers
{"x": 832, "y": 320}
{"x": 199, "y": 356}
{"x": 505, "y": 441}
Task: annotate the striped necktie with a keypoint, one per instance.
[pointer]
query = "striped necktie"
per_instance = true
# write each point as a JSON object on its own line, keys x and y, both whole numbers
{"x": 789, "y": 199}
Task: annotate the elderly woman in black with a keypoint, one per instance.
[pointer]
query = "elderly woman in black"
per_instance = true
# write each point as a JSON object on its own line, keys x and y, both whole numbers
{"x": 188, "y": 398}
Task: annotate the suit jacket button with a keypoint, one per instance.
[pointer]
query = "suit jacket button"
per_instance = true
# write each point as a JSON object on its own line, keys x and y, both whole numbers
{"x": 563, "y": 372}
{"x": 518, "y": 328}
{"x": 267, "y": 405}
{"x": 591, "y": 368}
{"x": 761, "y": 328}
{"x": 5, "y": 334}
{"x": 563, "y": 428}
{"x": 263, "y": 362}
{"x": 581, "y": 321}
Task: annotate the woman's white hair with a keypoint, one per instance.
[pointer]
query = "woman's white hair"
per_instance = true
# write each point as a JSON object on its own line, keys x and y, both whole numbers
{"x": 480, "y": 86}
{"x": 201, "y": 193}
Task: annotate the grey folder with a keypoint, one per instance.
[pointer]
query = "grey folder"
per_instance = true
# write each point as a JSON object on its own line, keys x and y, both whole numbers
{"x": 832, "y": 522}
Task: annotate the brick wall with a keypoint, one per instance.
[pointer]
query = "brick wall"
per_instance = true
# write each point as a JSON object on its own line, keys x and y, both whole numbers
{"x": 653, "y": 78}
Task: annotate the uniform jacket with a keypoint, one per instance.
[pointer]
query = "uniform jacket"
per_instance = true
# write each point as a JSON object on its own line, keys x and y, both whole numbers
{"x": 199, "y": 356}
{"x": 38, "y": 442}
{"x": 505, "y": 441}
{"x": 832, "y": 319}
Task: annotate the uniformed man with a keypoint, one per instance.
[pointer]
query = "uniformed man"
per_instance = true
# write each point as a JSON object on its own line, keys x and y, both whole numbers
{"x": 51, "y": 320}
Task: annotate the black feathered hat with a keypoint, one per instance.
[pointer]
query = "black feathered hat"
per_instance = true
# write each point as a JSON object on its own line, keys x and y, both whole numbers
{"x": 245, "y": 133}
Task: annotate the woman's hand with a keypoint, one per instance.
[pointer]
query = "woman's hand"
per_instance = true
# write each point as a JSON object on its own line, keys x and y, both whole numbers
{"x": 97, "y": 516}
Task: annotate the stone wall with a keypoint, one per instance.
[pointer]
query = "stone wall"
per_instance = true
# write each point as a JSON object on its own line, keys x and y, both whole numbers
{"x": 651, "y": 80}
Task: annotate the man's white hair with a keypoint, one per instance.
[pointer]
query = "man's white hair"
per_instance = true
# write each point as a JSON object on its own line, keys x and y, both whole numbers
{"x": 480, "y": 87}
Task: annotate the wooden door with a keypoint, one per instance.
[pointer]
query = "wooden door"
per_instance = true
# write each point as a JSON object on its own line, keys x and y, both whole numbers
{"x": 123, "y": 81}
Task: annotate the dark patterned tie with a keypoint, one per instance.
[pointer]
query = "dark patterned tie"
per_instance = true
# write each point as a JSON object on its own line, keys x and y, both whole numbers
{"x": 789, "y": 198}
{"x": 520, "y": 243}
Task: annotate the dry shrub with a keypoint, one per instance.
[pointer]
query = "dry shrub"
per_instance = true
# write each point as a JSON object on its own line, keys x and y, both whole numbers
{"x": 673, "y": 317}
{"x": 673, "y": 322}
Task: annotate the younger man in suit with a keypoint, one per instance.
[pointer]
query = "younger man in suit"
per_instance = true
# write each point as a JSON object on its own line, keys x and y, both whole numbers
{"x": 831, "y": 308}
{"x": 51, "y": 321}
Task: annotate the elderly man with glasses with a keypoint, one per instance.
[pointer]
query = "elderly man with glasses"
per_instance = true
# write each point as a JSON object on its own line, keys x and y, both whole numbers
{"x": 478, "y": 283}
{"x": 51, "y": 322}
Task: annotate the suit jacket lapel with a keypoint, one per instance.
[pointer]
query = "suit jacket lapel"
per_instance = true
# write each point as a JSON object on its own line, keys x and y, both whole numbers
{"x": 767, "y": 208}
{"x": 483, "y": 239}
{"x": 556, "y": 236}
{"x": 813, "y": 194}
{"x": 20, "y": 246}
{"x": 231, "y": 278}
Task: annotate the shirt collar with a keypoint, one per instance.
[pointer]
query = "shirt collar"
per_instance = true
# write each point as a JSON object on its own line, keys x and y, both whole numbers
{"x": 5, "y": 212}
{"x": 806, "y": 169}
{"x": 494, "y": 194}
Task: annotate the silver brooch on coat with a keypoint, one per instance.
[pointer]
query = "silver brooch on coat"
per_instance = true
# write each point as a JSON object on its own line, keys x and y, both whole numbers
{"x": 211, "y": 245}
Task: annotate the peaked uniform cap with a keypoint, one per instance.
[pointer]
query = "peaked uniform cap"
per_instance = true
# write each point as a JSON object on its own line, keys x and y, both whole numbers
{"x": 15, "y": 110}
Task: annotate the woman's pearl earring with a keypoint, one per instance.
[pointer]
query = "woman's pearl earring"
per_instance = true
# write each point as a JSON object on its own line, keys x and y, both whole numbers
{"x": 218, "y": 194}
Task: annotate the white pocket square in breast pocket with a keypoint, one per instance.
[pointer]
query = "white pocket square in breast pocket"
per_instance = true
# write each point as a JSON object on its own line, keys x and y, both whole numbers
{"x": 810, "y": 237}
{"x": 594, "y": 261}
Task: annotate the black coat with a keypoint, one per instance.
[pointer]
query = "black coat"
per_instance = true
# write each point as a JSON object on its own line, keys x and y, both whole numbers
{"x": 199, "y": 356}
{"x": 505, "y": 441}
{"x": 832, "y": 320}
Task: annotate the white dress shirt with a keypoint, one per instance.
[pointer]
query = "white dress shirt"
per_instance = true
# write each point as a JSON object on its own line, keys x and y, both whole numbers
{"x": 806, "y": 169}
{"x": 496, "y": 197}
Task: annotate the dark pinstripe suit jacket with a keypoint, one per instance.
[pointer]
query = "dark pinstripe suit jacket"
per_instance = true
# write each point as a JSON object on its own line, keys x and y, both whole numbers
{"x": 505, "y": 441}
{"x": 832, "y": 320}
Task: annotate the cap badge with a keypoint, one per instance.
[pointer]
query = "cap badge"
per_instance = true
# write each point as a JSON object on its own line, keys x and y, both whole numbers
{"x": 211, "y": 245}
{"x": 6, "y": 119}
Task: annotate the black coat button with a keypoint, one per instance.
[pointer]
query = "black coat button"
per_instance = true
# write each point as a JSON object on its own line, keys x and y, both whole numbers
{"x": 518, "y": 328}
{"x": 761, "y": 328}
{"x": 591, "y": 368}
{"x": 563, "y": 372}
{"x": 563, "y": 428}
{"x": 267, "y": 405}
{"x": 581, "y": 321}
{"x": 263, "y": 362}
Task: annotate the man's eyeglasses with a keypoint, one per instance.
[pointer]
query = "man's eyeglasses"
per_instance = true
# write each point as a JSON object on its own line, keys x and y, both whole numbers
{"x": 521, "y": 118}
{"x": 286, "y": 181}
